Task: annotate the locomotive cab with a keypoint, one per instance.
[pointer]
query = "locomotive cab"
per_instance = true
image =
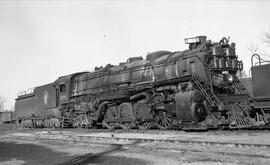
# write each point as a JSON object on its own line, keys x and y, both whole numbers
{"x": 62, "y": 86}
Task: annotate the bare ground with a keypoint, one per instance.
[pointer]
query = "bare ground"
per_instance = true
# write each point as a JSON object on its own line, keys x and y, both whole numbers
{"x": 87, "y": 147}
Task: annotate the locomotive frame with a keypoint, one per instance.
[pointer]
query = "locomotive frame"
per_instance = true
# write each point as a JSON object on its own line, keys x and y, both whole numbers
{"x": 193, "y": 89}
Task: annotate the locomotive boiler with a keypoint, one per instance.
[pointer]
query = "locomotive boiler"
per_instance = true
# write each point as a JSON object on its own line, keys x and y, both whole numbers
{"x": 194, "y": 88}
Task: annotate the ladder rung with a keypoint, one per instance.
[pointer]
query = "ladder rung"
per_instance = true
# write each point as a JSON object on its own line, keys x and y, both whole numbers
{"x": 210, "y": 97}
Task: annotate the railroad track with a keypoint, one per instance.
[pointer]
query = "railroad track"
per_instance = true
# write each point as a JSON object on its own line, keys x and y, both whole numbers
{"x": 112, "y": 139}
{"x": 123, "y": 143}
{"x": 133, "y": 143}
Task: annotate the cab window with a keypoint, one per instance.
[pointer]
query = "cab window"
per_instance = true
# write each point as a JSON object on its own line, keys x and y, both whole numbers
{"x": 62, "y": 88}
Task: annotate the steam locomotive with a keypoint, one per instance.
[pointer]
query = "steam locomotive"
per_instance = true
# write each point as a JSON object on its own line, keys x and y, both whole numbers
{"x": 197, "y": 88}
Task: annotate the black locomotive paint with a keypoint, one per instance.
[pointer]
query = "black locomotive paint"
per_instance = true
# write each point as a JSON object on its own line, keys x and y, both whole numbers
{"x": 194, "y": 89}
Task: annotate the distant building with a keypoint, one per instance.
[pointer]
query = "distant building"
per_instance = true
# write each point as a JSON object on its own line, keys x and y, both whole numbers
{"x": 7, "y": 116}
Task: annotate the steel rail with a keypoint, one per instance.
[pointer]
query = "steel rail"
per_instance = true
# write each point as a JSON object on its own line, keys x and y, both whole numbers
{"x": 83, "y": 139}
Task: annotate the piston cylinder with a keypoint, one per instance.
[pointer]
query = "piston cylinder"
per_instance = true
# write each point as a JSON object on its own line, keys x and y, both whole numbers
{"x": 189, "y": 106}
{"x": 215, "y": 63}
{"x": 221, "y": 63}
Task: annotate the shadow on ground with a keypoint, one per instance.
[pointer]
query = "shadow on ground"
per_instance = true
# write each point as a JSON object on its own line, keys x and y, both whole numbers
{"x": 30, "y": 153}
{"x": 39, "y": 155}
{"x": 104, "y": 159}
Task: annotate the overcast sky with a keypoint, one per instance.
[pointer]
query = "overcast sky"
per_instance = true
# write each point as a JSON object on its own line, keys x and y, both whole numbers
{"x": 42, "y": 40}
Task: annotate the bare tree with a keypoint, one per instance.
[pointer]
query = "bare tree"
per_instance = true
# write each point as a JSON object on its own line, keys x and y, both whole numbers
{"x": 2, "y": 102}
{"x": 266, "y": 38}
{"x": 252, "y": 48}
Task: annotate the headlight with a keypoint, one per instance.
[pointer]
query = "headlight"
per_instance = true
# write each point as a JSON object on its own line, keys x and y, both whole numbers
{"x": 230, "y": 78}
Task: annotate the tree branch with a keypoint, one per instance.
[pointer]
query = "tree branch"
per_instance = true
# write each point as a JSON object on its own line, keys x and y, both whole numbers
{"x": 252, "y": 48}
{"x": 2, "y": 101}
{"x": 266, "y": 38}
